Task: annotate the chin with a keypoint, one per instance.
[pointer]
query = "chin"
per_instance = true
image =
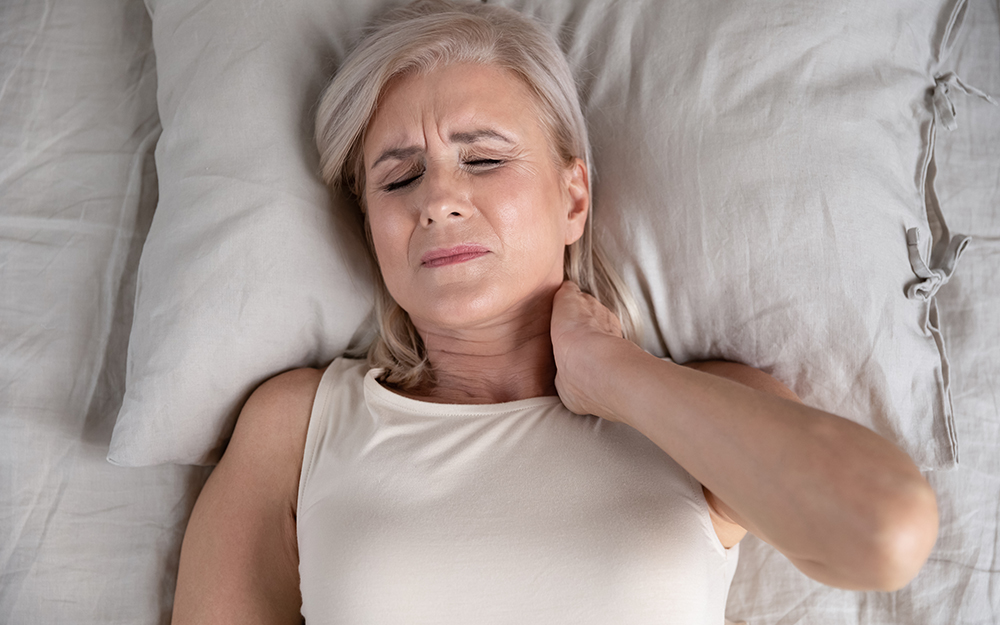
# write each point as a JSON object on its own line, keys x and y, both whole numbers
{"x": 476, "y": 303}
{"x": 460, "y": 314}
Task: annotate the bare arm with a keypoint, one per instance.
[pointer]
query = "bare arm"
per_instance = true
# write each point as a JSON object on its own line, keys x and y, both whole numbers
{"x": 239, "y": 559}
{"x": 847, "y": 507}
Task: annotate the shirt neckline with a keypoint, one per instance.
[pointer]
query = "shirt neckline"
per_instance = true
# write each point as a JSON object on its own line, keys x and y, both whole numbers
{"x": 377, "y": 392}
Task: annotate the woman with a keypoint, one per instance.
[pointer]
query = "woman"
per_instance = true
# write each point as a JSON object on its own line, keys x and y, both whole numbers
{"x": 448, "y": 479}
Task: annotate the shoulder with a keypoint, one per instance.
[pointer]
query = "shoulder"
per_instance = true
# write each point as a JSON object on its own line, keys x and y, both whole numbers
{"x": 239, "y": 558}
{"x": 270, "y": 435}
{"x": 280, "y": 406}
{"x": 282, "y": 394}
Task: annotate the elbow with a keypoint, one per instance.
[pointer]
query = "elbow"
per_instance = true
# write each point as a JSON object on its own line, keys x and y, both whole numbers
{"x": 904, "y": 539}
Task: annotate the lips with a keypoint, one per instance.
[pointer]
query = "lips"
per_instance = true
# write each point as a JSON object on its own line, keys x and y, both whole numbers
{"x": 452, "y": 255}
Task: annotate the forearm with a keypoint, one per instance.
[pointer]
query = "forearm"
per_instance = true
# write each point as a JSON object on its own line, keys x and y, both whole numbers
{"x": 841, "y": 502}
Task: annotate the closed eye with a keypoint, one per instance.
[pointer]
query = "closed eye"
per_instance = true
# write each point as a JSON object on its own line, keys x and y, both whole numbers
{"x": 400, "y": 184}
{"x": 480, "y": 163}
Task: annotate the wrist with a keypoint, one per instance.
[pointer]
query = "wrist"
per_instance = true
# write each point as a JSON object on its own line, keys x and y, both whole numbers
{"x": 608, "y": 366}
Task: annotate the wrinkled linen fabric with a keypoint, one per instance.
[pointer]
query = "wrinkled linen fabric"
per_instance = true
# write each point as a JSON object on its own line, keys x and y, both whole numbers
{"x": 81, "y": 541}
{"x": 249, "y": 268}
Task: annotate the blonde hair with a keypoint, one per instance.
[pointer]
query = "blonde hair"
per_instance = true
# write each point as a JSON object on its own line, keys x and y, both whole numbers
{"x": 415, "y": 39}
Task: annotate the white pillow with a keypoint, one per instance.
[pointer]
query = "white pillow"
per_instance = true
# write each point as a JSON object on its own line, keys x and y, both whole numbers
{"x": 247, "y": 269}
{"x": 758, "y": 168}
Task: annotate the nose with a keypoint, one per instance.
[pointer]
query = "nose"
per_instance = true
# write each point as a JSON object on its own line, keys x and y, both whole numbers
{"x": 446, "y": 196}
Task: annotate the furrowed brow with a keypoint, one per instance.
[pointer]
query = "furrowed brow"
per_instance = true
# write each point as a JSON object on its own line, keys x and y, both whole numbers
{"x": 456, "y": 137}
{"x": 396, "y": 154}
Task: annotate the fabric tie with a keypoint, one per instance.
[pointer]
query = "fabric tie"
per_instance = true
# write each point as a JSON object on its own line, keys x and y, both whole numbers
{"x": 932, "y": 279}
{"x": 944, "y": 108}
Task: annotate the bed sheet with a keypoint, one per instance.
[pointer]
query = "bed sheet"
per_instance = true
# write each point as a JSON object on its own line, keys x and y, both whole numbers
{"x": 81, "y": 541}
{"x": 84, "y": 542}
{"x": 960, "y": 584}
{"x": 967, "y": 557}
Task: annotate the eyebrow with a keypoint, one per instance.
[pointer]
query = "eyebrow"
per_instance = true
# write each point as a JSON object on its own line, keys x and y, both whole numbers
{"x": 476, "y": 135}
{"x": 455, "y": 137}
{"x": 397, "y": 154}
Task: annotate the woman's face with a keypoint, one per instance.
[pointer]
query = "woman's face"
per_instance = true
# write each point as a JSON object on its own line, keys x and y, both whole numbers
{"x": 469, "y": 211}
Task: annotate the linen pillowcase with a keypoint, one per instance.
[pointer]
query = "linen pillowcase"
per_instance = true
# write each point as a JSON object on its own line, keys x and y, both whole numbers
{"x": 758, "y": 168}
{"x": 249, "y": 267}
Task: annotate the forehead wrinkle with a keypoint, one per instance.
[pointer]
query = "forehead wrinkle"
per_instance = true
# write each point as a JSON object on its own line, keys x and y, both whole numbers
{"x": 443, "y": 99}
{"x": 463, "y": 138}
{"x": 398, "y": 154}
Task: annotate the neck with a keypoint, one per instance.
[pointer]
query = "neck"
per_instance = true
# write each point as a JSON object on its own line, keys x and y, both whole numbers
{"x": 503, "y": 361}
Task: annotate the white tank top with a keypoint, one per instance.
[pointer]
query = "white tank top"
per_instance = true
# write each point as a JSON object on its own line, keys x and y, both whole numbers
{"x": 413, "y": 512}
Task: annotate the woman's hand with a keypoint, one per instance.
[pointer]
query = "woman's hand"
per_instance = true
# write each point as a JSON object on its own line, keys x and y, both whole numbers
{"x": 582, "y": 331}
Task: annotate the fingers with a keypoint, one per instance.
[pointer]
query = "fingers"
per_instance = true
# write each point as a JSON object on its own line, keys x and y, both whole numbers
{"x": 568, "y": 290}
{"x": 572, "y": 304}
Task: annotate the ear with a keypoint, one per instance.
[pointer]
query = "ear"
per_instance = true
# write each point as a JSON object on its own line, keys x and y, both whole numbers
{"x": 577, "y": 187}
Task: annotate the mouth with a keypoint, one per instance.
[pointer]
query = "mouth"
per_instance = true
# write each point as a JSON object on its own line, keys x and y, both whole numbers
{"x": 452, "y": 255}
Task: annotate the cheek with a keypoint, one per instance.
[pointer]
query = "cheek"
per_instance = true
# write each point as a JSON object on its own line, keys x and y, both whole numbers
{"x": 531, "y": 232}
{"x": 390, "y": 238}
{"x": 532, "y": 212}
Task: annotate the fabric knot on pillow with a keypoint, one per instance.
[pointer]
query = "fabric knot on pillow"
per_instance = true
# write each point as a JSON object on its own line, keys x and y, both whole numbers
{"x": 932, "y": 279}
{"x": 944, "y": 108}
